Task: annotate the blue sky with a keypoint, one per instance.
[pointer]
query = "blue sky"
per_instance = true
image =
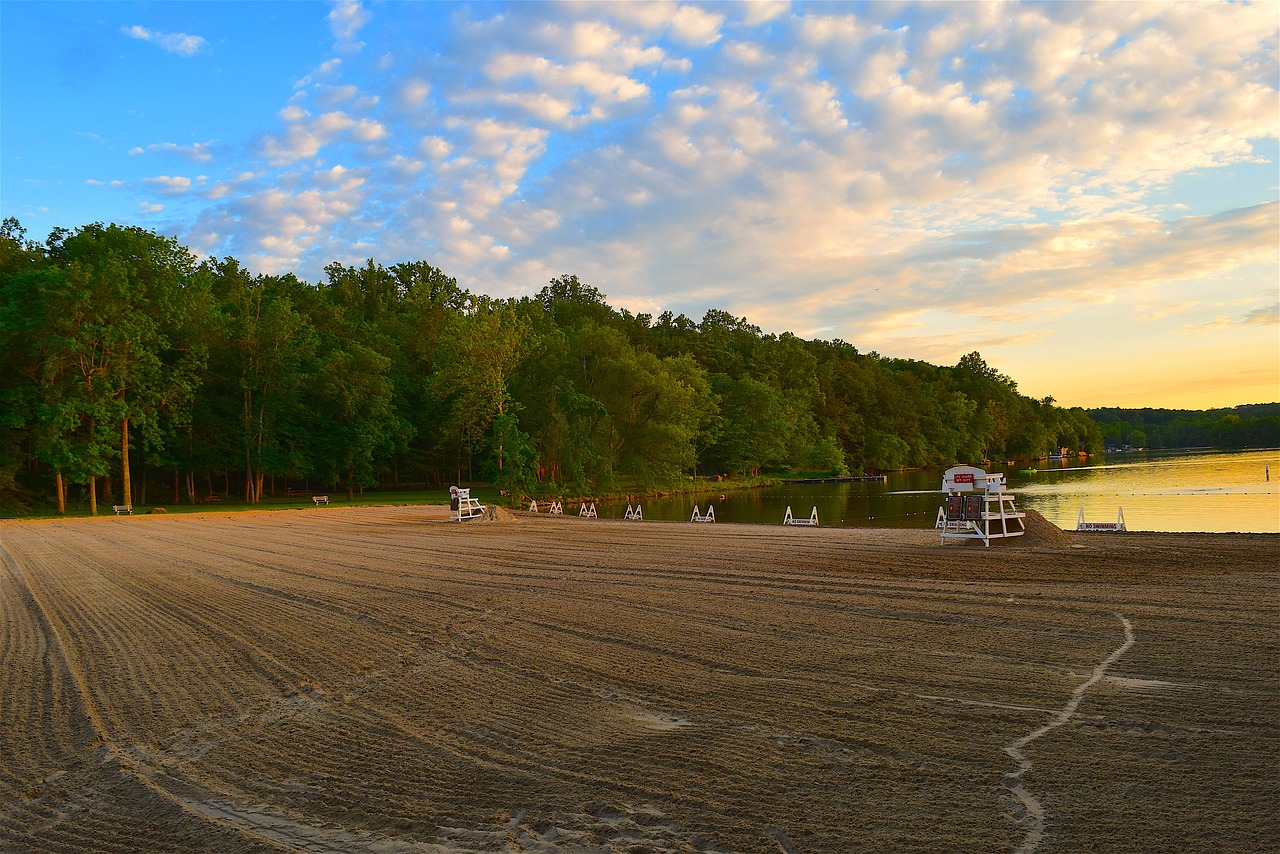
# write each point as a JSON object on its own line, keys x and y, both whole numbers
{"x": 1086, "y": 193}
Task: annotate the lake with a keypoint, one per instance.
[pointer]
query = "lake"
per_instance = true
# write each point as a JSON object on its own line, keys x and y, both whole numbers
{"x": 1158, "y": 491}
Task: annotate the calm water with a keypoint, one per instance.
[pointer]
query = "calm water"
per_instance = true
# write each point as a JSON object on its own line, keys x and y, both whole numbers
{"x": 1158, "y": 492}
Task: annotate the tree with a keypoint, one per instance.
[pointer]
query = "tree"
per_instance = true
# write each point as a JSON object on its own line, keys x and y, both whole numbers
{"x": 115, "y": 325}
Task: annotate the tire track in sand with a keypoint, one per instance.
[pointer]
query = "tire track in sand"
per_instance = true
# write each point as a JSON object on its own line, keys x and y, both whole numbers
{"x": 1035, "y": 810}
{"x": 61, "y": 655}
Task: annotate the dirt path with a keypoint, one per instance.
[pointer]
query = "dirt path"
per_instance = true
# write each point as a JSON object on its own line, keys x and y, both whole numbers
{"x": 378, "y": 679}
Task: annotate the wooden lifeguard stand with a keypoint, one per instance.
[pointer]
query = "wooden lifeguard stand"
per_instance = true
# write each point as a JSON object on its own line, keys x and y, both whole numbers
{"x": 977, "y": 507}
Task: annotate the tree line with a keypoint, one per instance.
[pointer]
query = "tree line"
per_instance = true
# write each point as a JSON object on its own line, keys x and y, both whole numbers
{"x": 1255, "y": 425}
{"x": 127, "y": 364}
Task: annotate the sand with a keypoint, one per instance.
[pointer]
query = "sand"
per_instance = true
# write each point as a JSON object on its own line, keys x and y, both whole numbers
{"x": 378, "y": 679}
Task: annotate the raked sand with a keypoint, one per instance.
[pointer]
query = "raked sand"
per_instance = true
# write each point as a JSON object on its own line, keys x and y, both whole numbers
{"x": 378, "y": 679}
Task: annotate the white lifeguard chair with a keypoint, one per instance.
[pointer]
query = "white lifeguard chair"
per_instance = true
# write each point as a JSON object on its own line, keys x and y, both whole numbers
{"x": 709, "y": 516}
{"x": 636, "y": 515}
{"x": 793, "y": 520}
{"x": 977, "y": 507}
{"x": 462, "y": 506}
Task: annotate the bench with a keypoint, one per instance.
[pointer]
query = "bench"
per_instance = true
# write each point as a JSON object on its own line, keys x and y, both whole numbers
{"x": 127, "y": 509}
{"x": 320, "y": 499}
{"x": 296, "y": 493}
{"x": 211, "y": 499}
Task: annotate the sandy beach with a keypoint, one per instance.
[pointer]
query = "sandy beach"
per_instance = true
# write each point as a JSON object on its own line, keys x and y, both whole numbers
{"x": 378, "y": 679}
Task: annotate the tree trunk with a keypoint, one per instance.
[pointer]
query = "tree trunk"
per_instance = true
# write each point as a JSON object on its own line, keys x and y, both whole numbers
{"x": 93, "y": 496}
{"x": 126, "y": 485}
{"x": 351, "y": 484}
{"x": 62, "y": 492}
{"x": 176, "y": 494}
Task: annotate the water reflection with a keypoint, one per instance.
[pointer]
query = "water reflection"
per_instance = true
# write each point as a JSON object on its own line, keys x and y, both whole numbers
{"x": 1159, "y": 492}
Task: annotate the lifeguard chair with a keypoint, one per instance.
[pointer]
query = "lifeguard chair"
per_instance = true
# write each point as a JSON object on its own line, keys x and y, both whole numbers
{"x": 977, "y": 507}
{"x": 462, "y": 506}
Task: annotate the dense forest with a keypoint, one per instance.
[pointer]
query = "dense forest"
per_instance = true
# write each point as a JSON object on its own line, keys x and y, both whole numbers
{"x": 1254, "y": 425}
{"x": 128, "y": 365}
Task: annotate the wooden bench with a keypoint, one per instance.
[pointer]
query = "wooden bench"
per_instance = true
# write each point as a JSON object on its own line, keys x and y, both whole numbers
{"x": 211, "y": 499}
{"x": 320, "y": 499}
{"x": 296, "y": 493}
{"x": 127, "y": 509}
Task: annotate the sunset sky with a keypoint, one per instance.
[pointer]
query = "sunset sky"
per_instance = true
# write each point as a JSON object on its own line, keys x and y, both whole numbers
{"x": 1087, "y": 194}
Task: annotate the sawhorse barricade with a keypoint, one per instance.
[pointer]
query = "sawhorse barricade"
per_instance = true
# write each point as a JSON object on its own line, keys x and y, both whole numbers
{"x": 1117, "y": 525}
{"x": 588, "y": 511}
{"x": 792, "y": 520}
{"x": 636, "y": 515}
{"x": 709, "y": 516}
{"x": 554, "y": 508}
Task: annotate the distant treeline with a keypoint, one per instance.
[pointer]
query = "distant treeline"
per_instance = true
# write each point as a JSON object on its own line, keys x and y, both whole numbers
{"x": 1255, "y": 425}
{"x": 129, "y": 368}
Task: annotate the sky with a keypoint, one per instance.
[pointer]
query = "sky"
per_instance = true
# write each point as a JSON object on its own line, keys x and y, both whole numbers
{"x": 1087, "y": 194}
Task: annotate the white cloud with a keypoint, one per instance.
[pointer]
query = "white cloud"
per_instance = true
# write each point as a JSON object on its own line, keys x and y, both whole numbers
{"x": 413, "y": 92}
{"x": 179, "y": 43}
{"x": 759, "y": 11}
{"x": 169, "y": 185}
{"x": 820, "y": 167}
{"x": 199, "y": 151}
{"x": 696, "y": 26}
{"x": 345, "y": 20}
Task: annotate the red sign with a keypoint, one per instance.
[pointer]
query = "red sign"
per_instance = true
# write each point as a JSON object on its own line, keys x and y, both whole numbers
{"x": 963, "y": 477}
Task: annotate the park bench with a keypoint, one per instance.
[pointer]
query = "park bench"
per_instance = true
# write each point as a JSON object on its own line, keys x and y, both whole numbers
{"x": 320, "y": 499}
{"x": 296, "y": 493}
{"x": 127, "y": 509}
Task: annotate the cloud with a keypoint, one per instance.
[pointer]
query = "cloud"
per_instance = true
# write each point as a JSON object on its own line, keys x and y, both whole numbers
{"x": 150, "y": 208}
{"x": 345, "y": 20}
{"x": 816, "y": 167}
{"x": 1267, "y": 315}
{"x": 199, "y": 152}
{"x": 169, "y": 185}
{"x": 305, "y": 136}
{"x": 179, "y": 43}
{"x": 696, "y": 26}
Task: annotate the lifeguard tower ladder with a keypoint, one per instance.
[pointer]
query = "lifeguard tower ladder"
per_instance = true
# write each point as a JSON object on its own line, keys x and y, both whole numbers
{"x": 977, "y": 507}
{"x": 462, "y": 506}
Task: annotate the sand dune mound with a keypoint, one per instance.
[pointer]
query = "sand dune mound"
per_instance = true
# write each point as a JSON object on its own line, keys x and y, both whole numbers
{"x": 1042, "y": 532}
{"x": 494, "y": 513}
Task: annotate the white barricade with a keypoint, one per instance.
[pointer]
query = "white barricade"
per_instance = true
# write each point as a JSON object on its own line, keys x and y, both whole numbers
{"x": 1117, "y": 525}
{"x": 636, "y": 515}
{"x": 709, "y": 516}
{"x": 588, "y": 511}
{"x": 792, "y": 520}
{"x": 555, "y": 509}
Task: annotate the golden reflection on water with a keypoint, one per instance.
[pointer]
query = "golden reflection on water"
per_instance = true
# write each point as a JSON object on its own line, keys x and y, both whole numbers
{"x": 1192, "y": 492}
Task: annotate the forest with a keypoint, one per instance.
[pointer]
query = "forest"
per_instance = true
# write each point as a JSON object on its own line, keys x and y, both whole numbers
{"x": 1255, "y": 425}
{"x": 127, "y": 364}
